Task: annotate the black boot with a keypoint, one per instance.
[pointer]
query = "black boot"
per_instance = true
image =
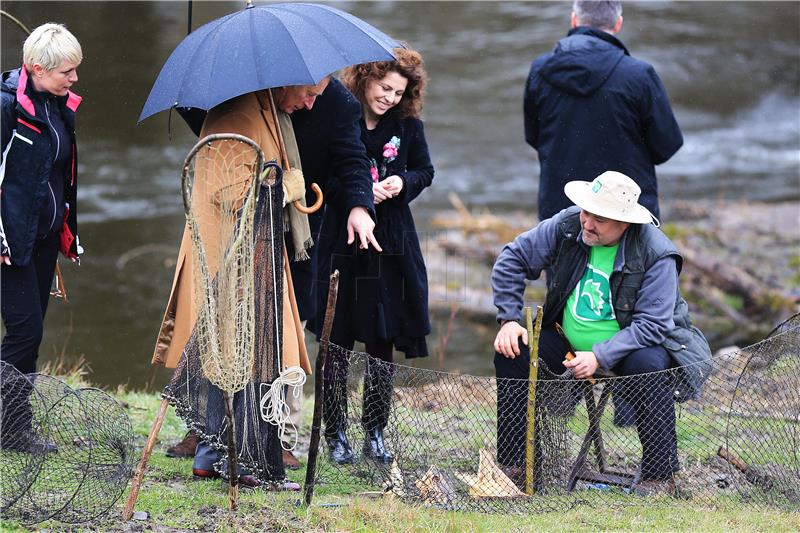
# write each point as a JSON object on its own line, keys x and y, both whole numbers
{"x": 19, "y": 432}
{"x": 376, "y": 408}
{"x": 340, "y": 450}
{"x": 375, "y": 448}
{"x": 334, "y": 414}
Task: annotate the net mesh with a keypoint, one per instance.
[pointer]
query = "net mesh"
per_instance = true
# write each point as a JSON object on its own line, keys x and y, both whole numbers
{"x": 66, "y": 453}
{"x": 219, "y": 191}
{"x": 248, "y": 275}
{"x": 456, "y": 446}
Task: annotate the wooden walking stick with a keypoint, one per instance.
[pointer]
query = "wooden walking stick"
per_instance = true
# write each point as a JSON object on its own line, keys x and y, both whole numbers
{"x": 319, "y": 398}
{"x": 138, "y": 476}
{"x": 533, "y": 344}
{"x": 60, "y": 290}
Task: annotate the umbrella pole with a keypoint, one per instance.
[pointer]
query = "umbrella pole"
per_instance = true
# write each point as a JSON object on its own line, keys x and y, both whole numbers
{"x": 293, "y": 304}
{"x": 319, "y": 397}
{"x": 533, "y": 344}
{"x": 285, "y": 161}
{"x": 281, "y": 142}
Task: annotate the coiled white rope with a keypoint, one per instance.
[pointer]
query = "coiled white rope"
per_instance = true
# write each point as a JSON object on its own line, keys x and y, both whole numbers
{"x": 273, "y": 407}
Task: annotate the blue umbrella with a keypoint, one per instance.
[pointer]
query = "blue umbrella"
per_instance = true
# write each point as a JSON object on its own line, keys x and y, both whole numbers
{"x": 261, "y": 47}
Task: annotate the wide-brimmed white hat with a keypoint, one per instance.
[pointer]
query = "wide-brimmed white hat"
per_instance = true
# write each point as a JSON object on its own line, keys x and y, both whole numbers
{"x": 611, "y": 195}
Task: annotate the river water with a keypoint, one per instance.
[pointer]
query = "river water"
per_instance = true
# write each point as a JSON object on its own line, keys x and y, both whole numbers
{"x": 732, "y": 71}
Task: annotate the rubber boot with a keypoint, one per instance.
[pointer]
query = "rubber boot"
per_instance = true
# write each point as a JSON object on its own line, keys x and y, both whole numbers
{"x": 377, "y": 407}
{"x": 334, "y": 414}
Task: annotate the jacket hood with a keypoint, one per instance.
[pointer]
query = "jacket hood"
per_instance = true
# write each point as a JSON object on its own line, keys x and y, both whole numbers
{"x": 10, "y": 81}
{"x": 582, "y": 62}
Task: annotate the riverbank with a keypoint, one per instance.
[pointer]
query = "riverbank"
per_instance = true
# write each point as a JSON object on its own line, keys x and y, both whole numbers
{"x": 171, "y": 501}
{"x": 741, "y": 272}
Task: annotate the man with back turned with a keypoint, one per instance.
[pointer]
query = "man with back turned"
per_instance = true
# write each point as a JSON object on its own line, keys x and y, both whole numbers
{"x": 589, "y": 107}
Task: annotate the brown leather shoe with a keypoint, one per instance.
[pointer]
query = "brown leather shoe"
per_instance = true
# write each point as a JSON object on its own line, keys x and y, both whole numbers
{"x": 184, "y": 448}
{"x": 199, "y": 473}
{"x": 290, "y": 461}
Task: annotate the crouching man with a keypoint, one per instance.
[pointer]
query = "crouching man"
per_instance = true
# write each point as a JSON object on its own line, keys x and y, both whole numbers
{"x": 612, "y": 282}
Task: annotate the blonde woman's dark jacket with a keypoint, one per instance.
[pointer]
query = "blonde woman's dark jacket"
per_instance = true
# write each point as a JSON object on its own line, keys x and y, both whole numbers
{"x": 28, "y": 149}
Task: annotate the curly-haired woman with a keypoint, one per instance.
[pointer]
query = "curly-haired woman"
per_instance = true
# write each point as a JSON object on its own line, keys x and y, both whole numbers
{"x": 390, "y": 297}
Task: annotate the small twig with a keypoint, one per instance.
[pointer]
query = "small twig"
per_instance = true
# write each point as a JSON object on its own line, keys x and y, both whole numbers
{"x": 16, "y": 20}
{"x": 533, "y": 344}
{"x": 444, "y": 340}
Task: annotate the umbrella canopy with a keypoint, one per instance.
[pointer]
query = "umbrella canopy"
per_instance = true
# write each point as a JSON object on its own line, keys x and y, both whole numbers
{"x": 261, "y": 47}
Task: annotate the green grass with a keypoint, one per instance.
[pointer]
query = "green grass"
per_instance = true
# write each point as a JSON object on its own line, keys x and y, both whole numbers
{"x": 174, "y": 502}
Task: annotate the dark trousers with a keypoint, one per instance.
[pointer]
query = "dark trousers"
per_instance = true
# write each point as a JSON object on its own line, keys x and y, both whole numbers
{"x": 259, "y": 439}
{"x": 650, "y": 395}
{"x": 24, "y": 295}
{"x": 25, "y": 292}
{"x": 378, "y": 383}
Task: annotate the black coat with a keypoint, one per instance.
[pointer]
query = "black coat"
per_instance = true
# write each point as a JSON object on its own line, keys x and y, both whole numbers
{"x": 389, "y": 300}
{"x": 332, "y": 155}
{"x": 590, "y": 107}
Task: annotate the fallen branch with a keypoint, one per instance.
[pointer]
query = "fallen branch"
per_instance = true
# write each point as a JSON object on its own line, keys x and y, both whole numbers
{"x": 751, "y": 474}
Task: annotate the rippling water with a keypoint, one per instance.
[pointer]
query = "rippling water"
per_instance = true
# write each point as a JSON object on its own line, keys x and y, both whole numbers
{"x": 732, "y": 71}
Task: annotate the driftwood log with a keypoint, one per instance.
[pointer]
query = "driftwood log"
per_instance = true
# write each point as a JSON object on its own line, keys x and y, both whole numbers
{"x": 733, "y": 280}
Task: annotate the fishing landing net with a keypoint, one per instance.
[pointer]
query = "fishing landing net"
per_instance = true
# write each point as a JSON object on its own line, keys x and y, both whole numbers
{"x": 237, "y": 231}
{"x": 66, "y": 454}
{"x": 735, "y": 444}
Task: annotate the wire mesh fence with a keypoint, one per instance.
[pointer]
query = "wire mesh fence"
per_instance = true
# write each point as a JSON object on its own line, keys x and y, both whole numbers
{"x": 465, "y": 442}
{"x": 66, "y": 453}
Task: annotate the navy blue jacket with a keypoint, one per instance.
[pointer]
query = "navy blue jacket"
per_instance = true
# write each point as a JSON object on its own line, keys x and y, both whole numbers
{"x": 27, "y": 160}
{"x": 333, "y": 156}
{"x": 590, "y": 107}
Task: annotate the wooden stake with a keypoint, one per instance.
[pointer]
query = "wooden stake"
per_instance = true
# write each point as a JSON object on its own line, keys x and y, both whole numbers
{"x": 136, "y": 483}
{"x": 319, "y": 398}
{"x": 533, "y": 344}
{"x": 233, "y": 464}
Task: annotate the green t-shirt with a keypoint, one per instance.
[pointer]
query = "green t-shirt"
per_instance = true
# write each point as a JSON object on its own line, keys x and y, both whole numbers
{"x": 589, "y": 314}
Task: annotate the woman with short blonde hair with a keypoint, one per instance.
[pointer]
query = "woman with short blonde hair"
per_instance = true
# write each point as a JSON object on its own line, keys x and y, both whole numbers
{"x": 38, "y": 211}
{"x": 49, "y": 45}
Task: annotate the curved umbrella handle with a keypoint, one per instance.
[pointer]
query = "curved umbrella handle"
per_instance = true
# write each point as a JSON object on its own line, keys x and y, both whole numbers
{"x": 317, "y": 204}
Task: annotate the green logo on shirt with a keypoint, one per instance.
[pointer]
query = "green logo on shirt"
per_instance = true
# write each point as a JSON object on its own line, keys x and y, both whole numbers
{"x": 593, "y": 302}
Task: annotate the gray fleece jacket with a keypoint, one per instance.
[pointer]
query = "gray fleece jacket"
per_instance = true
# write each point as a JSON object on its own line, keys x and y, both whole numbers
{"x": 537, "y": 249}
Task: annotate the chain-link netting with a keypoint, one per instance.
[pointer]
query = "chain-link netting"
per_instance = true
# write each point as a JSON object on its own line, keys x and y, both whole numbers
{"x": 66, "y": 453}
{"x": 465, "y": 442}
